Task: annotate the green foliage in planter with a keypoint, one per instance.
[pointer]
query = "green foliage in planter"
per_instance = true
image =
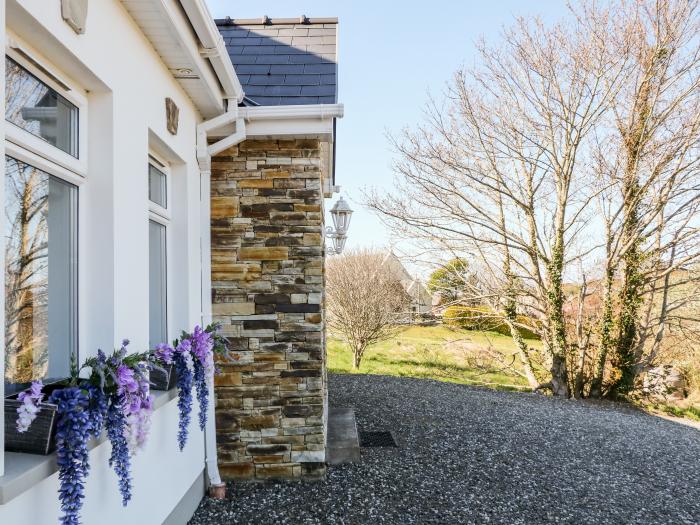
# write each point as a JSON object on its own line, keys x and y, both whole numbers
{"x": 483, "y": 318}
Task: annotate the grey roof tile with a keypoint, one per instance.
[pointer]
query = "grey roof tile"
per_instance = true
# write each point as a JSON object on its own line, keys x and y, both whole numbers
{"x": 244, "y": 41}
{"x": 266, "y": 80}
{"x": 284, "y": 91}
{"x": 303, "y": 80}
{"x": 254, "y": 50}
{"x": 308, "y": 59}
{"x": 287, "y": 69}
{"x": 315, "y": 31}
{"x": 318, "y": 91}
{"x": 269, "y": 101}
{"x": 284, "y": 61}
{"x": 262, "y": 59}
{"x": 318, "y": 68}
{"x": 289, "y": 50}
{"x": 246, "y": 59}
{"x": 254, "y": 69}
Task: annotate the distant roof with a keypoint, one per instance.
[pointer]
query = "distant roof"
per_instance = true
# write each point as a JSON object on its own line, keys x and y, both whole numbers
{"x": 282, "y": 61}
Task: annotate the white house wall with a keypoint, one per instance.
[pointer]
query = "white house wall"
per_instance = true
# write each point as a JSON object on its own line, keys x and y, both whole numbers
{"x": 126, "y": 85}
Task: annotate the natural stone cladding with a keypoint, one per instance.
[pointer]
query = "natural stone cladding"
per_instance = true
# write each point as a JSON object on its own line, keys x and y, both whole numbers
{"x": 267, "y": 292}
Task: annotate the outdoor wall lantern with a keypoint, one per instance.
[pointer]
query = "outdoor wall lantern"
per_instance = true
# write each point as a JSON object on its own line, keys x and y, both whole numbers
{"x": 340, "y": 213}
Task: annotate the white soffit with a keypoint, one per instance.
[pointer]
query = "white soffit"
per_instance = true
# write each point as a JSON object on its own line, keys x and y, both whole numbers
{"x": 166, "y": 26}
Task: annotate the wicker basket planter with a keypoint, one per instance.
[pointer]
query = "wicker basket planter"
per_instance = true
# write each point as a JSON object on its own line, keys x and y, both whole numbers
{"x": 39, "y": 439}
{"x": 163, "y": 378}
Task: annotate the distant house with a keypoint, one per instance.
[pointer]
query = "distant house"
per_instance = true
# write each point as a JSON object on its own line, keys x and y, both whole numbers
{"x": 421, "y": 299}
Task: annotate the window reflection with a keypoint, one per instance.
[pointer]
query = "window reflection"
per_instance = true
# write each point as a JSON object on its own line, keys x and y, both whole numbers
{"x": 40, "y": 110}
{"x": 40, "y": 275}
{"x": 157, "y": 289}
{"x": 157, "y": 186}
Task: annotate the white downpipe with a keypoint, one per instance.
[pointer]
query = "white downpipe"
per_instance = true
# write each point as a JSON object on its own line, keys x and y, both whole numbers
{"x": 210, "y": 429}
{"x": 204, "y": 160}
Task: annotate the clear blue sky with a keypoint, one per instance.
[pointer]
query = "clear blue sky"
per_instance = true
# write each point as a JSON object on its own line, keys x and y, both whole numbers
{"x": 390, "y": 55}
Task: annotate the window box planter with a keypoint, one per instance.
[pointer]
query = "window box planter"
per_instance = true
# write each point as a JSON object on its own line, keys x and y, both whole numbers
{"x": 163, "y": 378}
{"x": 39, "y": 439}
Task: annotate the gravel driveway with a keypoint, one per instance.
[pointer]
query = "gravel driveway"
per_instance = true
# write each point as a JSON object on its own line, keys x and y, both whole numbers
{"x": 476, "y": 456}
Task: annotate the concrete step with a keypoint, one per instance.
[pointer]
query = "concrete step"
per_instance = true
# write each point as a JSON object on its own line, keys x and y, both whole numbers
{"x": 343, "y": 445}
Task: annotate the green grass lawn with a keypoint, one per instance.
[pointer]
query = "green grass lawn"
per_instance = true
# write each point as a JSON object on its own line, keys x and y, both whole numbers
{"x": 435, "y": 352}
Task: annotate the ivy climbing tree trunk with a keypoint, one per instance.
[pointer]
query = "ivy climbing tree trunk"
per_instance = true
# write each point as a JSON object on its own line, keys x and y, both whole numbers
{"x": 555, "y": 318}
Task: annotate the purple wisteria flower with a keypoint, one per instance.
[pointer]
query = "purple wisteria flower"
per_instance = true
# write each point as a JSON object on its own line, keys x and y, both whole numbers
{"x": 202, "y": 345}
{"x": 29, "y": 409}
{"x": 164, "y": 352}
{"x": 202, "y": 388}
{"x": 119, "y": 459}
{"x": 72, "y": 433}
{"x": 126, "y": 382}
{"x": 184, "y": 367}
{"x": 133, "y": 389}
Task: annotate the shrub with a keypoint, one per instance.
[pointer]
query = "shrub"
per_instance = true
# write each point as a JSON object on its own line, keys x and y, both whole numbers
{"x": 483, "y": 318}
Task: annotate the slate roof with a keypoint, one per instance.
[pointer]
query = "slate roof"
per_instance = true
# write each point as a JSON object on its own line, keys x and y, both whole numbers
{"x": 282, "y": 61}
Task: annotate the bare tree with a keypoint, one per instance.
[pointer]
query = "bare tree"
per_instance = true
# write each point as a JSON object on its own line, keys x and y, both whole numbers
{"x": 649, "y": 165}
{"x": 565, "y": 166}
{"x": 492, "y": 172}
{"x": 365, "y": 300}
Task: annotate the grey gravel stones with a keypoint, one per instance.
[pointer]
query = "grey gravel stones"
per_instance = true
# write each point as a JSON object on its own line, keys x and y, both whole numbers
{"x": 475, "y": 456}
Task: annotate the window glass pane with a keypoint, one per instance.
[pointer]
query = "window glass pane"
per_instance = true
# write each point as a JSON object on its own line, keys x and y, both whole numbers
{"x": 157, "y": 186}
{"x": 35, "y": 107}
{"x": 40, "y": 276}
{"x": 157, "y": 284}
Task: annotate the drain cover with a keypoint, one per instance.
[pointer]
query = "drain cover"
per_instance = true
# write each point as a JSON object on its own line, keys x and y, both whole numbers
{"x": 376, "y": 439}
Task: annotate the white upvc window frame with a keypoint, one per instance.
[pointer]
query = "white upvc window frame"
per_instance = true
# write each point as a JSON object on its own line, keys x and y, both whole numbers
{"x": 16, "y": 49}
{"x": 26, "y": 147}
{"x": 163, "y": 213}
{"x": 163, "y": 216}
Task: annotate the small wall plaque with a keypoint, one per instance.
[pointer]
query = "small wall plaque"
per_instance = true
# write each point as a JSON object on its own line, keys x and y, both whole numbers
{"x": 74, "y": 12}
{"x": 172, "y": 114}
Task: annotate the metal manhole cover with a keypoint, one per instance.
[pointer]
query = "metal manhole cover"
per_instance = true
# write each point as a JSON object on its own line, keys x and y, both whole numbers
{"x": 376, "y": 439}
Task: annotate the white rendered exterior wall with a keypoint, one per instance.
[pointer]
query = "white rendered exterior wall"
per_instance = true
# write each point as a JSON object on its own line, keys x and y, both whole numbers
{"x": 126, "y": 84}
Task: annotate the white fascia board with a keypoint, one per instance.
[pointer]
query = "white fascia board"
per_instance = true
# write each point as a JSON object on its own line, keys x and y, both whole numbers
{"x": 313, "y": 120}
{"x": 301, "y": 111}
{"x": 290, "y": 127}
{"x": 309, "y": 120}
{"x": 213, "y": 47}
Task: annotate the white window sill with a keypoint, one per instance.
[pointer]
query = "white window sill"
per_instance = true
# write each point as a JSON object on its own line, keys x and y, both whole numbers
{"x": 23, "y": 471}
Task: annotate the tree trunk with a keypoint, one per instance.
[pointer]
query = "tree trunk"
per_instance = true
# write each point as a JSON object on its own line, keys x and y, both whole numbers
{"x": 356, "y": 359}
{"x": 582, "y": 340}
{"x": 630, "y": 295}
{"x": 555, "y": 314}
{"x": 606, "y": 337}
{"x": 560, "y": 383}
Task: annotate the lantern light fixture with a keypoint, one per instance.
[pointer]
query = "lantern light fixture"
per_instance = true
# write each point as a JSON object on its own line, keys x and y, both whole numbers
{"x": 341, "y": 214}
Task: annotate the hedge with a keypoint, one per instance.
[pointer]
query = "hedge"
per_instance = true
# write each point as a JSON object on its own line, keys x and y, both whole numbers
{"x": 483, "y": 318}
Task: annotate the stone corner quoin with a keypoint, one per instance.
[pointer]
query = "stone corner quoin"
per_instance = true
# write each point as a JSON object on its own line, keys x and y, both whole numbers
{"x": 267, "y": 292}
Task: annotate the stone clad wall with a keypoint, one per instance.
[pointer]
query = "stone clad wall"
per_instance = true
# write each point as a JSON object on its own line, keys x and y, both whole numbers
{"x": 267, "y": 291}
